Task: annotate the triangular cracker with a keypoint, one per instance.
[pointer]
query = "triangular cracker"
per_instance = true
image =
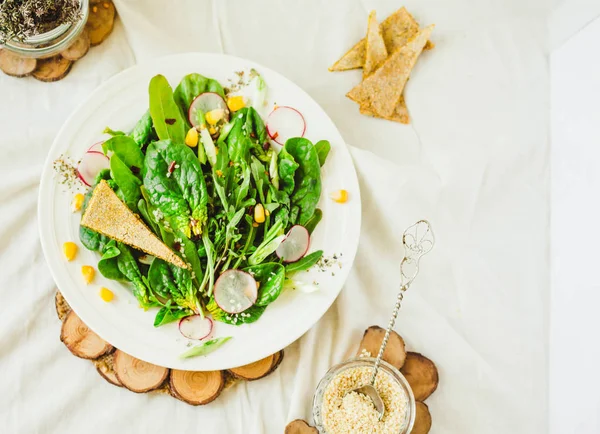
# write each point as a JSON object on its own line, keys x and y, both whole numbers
{"x": 396, "y": 30}
{"x": 376, "y": 53}
{"x": 400, "y": 113}
{"x": 381, "y": 91}
{"x": 108, "y": 215}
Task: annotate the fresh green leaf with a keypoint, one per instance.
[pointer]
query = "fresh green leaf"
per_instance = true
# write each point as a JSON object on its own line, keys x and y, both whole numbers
{"x": 304, "y": 263}
{"x": 250, "y": 315}
{"x": 167, "y": 314}
{"x": 142, "y": 132}
{"x": 112, "y": 132}
{"x": 323, "y": 147}
{"x": 287, "y": 171}
{"x": 307, "y": 191}
{"x": 128, "y": 183}
{"x": 270, "y": 276}
{"x": 193, "y": 85}
{"x": 204, "y": 348}
{"x": 127, "y": 150}
{"x": 312, "y": 222}
{"x": 166, "y": 116}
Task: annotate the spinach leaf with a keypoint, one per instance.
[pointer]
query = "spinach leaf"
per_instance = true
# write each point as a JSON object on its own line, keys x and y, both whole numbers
{"x": 161, "y": 279}
{"x": 166, "y": 116}
{"x": 193, "y": 85}
{"x": 304, "y": 263}
{"x": 168, "y": 314}
{"x": 287, "y": 170}
{"x": 270, "y": 276}
{"x": 127, "y": 150}
{"x": 175, "y": 185}
{"x": 204, "y": 348}
{"x": 323, "y": 147}
{"x": 312, "y": 222}
{"x": 250, "y": 315}
{"x": 307, "y": 191}
{"x": 186, "y": 249}
{"x": 128, "y": 266}
{"x": 142, "y": 131}
{"x": 259, "y": 173}
{"x": 108, "y": 265}
{"x": 129, "y": 184}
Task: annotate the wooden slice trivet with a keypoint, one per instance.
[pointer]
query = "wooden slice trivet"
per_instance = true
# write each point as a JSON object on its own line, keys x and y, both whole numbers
{"x": 196, "y": 388}
{"x": 15, "y": 65}
{"x": 80, "y": 340}
{"x": 256, "y": 370}
{"x": 395, "y": 352}
{"x": 137, "y": 375}
{"x": 422, "y": 419}
{"x": 420, "y": 372}
{"x": 123, "y": 370}
{"x": 100, "y": 24}
{"x": 79, "y": 48}
{"x": 52, "y": 69}
{"x": 299, "y": 426}
{"x": 101, "y": 21}
{"x": 106, "y": 368}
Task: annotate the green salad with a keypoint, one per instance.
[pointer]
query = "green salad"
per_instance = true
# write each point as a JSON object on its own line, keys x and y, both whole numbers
{"x": 200, "y": 170}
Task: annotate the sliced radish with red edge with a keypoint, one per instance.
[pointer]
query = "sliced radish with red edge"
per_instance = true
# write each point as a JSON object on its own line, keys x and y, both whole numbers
{"x": 96, "y": 147}
{"x": 195, "y": 327}
{"x": 295, "y": 245}
{"x": 235, "y": 291}
{"x": 207, "y": 101}
{"x": 90, "y": 165}
{"x": 284, "y": 123}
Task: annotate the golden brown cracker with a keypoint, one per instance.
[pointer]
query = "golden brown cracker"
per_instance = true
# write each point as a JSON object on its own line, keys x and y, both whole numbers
{"x": 381, "y": 91}
{"x": 376, "y": 53}
{"x": 396, "y": 30}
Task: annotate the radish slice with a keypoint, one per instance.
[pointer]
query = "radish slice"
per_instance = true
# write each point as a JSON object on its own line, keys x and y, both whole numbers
{"x": 96, "y": 147}
{"x": 90, "y": 165}
{"x": 207, "y": 101}
{"x": 235, "y": 291}
{"x": 295, "y": 245}
{"x": 284, "y": 123}
{"x": 195, "y": 327}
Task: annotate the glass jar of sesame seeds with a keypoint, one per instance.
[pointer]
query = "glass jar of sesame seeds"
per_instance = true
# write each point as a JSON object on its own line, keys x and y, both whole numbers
{"x": 336, "y": 411}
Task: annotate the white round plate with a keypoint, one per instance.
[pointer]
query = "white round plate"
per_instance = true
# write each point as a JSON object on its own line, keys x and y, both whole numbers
{"x": 119, "y": 103}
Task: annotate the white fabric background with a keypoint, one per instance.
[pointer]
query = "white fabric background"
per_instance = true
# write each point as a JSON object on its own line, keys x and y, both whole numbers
{"x": 474, "y": 162}
{"x": 575, "y": 211}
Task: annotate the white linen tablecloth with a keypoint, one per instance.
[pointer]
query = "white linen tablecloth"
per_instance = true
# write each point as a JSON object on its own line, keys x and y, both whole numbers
{"x": 474, "y": 162}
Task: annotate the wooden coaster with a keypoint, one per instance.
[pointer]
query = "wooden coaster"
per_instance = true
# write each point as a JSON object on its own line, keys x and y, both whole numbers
{"x": 420, "y": 373}
{"x": 99, "y": 26}
{"x": 122, "y": 370}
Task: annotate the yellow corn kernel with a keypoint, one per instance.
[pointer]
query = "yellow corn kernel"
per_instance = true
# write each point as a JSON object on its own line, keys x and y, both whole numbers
{"x": 254, "y": 225}
{"x": 340, "y": 196}
{"x": 191, "y": 138}
{"x": 77, "y": 202}
{"x": 214, "y": 116}
{"x": 219, "y": 173}
{"x": 88, "y": 273}
{"x": 259, "y": 213}
{"x": 235, "y": 103}
{"x": 70, "y": 250}
{"x": 211, "y": 130}
{"x": 267, "y": 213}
{"x": 106, "y": 294}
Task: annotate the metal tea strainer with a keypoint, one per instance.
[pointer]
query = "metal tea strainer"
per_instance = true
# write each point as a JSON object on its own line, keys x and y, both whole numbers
{"x": 418, "y": 240}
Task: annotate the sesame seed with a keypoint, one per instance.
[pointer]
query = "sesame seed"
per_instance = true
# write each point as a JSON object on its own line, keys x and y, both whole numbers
{"x": 351, "y": 412}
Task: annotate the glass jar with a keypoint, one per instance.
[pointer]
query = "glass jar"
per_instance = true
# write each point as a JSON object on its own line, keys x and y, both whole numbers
{"x": 52, "y": 42}
{"x": 360, "y": 362}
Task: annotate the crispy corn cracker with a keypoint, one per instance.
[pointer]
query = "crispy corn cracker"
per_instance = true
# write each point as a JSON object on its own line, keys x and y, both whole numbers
{"x": 381, "y": 91}
{"x": 400, "y": 113}
{"x": 376, "y": 53}
{"x": 396, "y": 30}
